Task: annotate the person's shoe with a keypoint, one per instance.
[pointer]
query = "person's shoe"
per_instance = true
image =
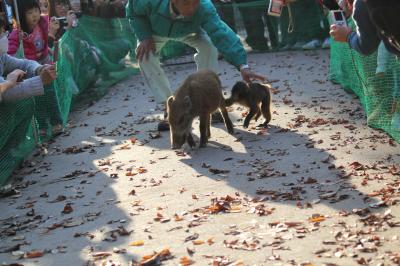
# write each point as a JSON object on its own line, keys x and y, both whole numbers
{"x": 163, "y": 126}
{"x": 285, "y": 48}
{"x": 326, "y": 44}
{"x": 396, "y": 121}
{"x": 298, "y": 45}
{"x": 311, "y": 45}
{"x": 217, "y": 118}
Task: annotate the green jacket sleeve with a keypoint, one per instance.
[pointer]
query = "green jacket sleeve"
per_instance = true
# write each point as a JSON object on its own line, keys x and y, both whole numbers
{"x": 223, "y": 37}
{"x": 138, "y": 12}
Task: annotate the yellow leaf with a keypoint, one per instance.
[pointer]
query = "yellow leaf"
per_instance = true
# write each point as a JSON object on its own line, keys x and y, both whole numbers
{"x": 130, "y": 173}
{"x": 137, "y": 243}
{"x": 198, "y": 242}
{"x": 210, "y": 241}
{"x": 141, "y": 170}
{"x": 234, "y": 209}
{"x": 317, "y": 219}
{"x": 178, "y": 218}
{"x": 185, "y": 261}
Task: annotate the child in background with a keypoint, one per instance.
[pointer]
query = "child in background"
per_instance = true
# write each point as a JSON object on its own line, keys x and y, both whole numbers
{"x": 44, "y": 7}
{"x": 60, "y": 9}
{"x": 34, "y": 32}
{"x": 12, "y": 88}
{"x": 75, "y": 5}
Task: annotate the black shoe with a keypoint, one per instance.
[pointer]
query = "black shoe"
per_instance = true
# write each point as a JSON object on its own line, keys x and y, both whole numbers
{"x": 163, "y": 126}
{"x": 217, "y": 118}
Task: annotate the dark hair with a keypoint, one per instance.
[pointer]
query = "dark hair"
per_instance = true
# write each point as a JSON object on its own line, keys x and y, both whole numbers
{"x": 3, "y": 23}
{"x": 52, "y": 6}
{"x": 23, "y": 7}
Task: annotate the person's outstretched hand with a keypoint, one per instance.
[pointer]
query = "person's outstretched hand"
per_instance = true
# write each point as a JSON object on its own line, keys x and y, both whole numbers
{"x": 144, "y": 49}
{"x": 248, "y": 75}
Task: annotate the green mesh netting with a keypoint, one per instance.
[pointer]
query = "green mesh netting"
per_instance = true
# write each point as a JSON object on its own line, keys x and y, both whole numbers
{"x": 91, "y": 59}
{"x": 374, "y": 79}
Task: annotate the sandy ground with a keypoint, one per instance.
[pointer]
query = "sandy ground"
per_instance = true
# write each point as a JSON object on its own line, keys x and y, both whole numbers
{"x": 317, "y": 186}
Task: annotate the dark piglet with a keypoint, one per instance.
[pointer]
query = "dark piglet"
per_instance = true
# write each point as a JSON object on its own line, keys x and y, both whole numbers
{"x": 255, "y": 96}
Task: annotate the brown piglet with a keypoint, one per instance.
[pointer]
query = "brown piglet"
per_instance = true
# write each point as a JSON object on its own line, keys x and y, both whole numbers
{"x": 199, "y": 95}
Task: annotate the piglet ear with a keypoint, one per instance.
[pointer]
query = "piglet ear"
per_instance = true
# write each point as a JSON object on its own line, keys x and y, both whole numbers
{"x": 187, "y": 103}
{"x": 170, "y": 101}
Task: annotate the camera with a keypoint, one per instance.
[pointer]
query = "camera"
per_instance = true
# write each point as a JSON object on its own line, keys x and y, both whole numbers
{"x": 275, "y": 8}
{"x": 337, "y": 17}
{"x": 63, "y": 21}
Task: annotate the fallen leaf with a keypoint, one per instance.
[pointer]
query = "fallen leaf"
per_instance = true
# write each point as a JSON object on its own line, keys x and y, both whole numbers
{"x": 185, "y": 261}
{"x": 136, "y": 243}
{"x": 34, "y": 254}
{"x": 316, "y": 218}
{"x": 198, "y": 242}
{"x": 192, "y": 237}
{"x": 67, "y": 208}
{"x": 101, "y": 255}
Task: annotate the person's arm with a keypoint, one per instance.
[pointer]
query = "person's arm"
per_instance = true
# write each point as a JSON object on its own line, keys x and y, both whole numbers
{"x": 137, "y": 11}
{"x": 29, "y": 66}
{"x": 223, "y": 37}
{"x": 4, "y": 86}
{"x": 366, "y": 39}
{"x": 28, "y": 88}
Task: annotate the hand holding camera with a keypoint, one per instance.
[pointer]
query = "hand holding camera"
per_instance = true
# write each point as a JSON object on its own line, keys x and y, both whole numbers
{"x": 54, "y": 26}
{"x": 16, "y": 76}
{"x": 48, "y": 74}
{"x": 340, "y": 33}
{"x": 72, "y": 19}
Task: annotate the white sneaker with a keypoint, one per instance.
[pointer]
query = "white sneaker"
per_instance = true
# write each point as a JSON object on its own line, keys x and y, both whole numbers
{"x": 396, "y": 121}
{"x": 298, "y": 45}
{"x": 311, "y": 45}
{"x": 326, "y": 44}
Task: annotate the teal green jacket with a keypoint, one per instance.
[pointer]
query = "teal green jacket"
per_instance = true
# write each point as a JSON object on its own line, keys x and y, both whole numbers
{"x": 153, "y": 17}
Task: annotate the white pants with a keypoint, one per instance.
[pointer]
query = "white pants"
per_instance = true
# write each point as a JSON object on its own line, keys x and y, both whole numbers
{"x": 155, "y": 78}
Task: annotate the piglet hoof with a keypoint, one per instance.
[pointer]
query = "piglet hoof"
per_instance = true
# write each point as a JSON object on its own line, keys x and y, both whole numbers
{"x": 191, "y": 142}
{"x": 264, "y": 125}
{"x": 245, "y": 125}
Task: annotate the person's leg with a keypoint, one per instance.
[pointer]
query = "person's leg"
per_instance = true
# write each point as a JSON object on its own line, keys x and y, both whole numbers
{"x": 207, "y": 55}
{"x": 272, "y": 26}
{"x": 154, "y": 75}
{"x": 254, "y": 25}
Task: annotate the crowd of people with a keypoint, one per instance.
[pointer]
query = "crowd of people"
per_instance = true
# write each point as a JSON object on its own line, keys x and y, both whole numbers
{"x": 302, "y": 24}
{"x": 30, "y": 31}
{"x": 32, "y": 28}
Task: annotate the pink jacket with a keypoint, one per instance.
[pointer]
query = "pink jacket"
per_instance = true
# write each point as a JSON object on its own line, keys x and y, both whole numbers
{"x": 28, "y": 42}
